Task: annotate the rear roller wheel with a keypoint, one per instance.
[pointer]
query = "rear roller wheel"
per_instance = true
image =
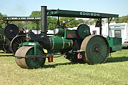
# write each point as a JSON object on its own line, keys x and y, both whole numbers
{"x": 16, "y": 42}
{"x": 96, "y": 49}
{"x": 23, "y": 62}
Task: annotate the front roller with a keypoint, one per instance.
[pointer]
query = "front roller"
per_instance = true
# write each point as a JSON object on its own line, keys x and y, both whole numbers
{"x": 24, "y": 59}
{"x": 96, "y": 49}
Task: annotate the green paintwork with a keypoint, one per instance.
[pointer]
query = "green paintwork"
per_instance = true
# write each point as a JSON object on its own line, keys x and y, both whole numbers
{"x": 83, "y": 14}
{"x": 2, "y": 40}
{"x": 60, "y": 31}
{"x": 60, "y": 43}
{"x": 70, "y": 34}
{"x": 30, "y": 43}
{"x": 35, "y": 44}
{"x": 115, "y": 44}
{"x": 35, "y": 62}
{"x": 1, "y": 31}
{"x": 21, "y": 19}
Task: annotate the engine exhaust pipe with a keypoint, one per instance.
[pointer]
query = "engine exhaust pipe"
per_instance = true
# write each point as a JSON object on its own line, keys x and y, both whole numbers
{"x": 43, "y": 21}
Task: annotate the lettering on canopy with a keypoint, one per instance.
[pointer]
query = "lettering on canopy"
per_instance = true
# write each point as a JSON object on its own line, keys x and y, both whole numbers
{"x": 21, "y": 18}
{"x": 89, "y": 14}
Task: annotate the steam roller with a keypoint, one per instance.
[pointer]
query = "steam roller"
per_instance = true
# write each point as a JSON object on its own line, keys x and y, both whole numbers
{"x": 11, "y": 38}
{"x": 78, "y": 45}
{"x": 7, "y": 34}
{"x": 94, "y": 50}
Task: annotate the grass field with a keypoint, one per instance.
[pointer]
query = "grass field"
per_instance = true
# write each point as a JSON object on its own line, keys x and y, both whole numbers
{"x": 62, "y": 72}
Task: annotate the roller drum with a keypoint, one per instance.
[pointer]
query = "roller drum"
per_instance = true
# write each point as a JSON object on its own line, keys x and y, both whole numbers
{"x": 24, "y": 62}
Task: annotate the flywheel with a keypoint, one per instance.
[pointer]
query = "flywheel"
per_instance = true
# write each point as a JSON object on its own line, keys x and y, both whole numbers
{"x": 11, "y": 31}
{"x": 16, "y": 42}
{"x": 96, "y": 49}
{"x": 83, "y": 31}
{"x": 24, "y": 62}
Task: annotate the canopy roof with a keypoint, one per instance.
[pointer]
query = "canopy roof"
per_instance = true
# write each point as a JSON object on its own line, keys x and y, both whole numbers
{"x": 81, "y": 14}
{"x": 63, "y": 13}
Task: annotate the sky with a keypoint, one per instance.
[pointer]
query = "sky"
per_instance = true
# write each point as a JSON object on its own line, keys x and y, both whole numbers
{"x": 25, "y": 7}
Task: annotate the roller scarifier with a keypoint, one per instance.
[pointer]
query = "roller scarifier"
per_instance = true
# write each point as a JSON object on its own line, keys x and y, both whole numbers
{"x": 78, "y": 45}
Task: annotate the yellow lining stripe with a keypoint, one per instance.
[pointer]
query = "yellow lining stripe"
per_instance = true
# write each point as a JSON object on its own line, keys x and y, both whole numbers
{"x": 53, "y": 43}
{"x": 72, "y": 44}
{"x": 4, "y": 39}
{"x": 63, "y": 42}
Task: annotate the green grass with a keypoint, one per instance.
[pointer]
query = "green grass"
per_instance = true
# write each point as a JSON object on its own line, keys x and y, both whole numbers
{"x": 62, "y": 72}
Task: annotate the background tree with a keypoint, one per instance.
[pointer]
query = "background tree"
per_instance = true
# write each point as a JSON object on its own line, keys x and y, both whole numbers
{"x": 70, "y": 21}
{"x": 2, "y": 25}
{"x": 51, "y": 21}
{"x": 123, "y": 19}
{"x": 0, "y": 21}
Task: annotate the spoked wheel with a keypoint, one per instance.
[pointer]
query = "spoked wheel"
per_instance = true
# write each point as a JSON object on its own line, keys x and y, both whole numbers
{"x": 16, "y": 42}
{"x": 96, "y": 49}
{"x": 24, "y": 62}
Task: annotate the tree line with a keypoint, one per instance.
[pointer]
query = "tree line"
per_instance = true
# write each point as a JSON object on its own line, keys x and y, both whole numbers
{"x": 123, "y": 19}
{"x": 1, "y": 23}
{"x": 52, "y": 22}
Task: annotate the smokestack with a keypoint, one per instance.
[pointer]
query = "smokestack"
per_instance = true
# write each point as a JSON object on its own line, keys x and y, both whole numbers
{"x": 44, "y": 20}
